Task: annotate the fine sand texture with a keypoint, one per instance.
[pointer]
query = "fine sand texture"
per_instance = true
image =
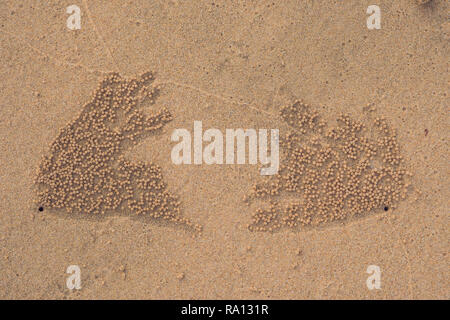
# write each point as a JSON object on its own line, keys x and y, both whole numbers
{"x": 86, "y": 176}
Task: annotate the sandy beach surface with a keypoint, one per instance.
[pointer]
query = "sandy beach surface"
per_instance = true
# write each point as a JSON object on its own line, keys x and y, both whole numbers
{"x": 229, "y": 64}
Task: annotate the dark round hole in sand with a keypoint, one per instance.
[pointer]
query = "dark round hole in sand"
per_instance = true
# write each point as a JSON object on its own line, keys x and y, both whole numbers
{"x": 41, "y": 209}
{"x": 386, "y": 208}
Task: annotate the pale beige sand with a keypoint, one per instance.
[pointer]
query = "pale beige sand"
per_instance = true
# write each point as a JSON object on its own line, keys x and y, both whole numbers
{"x": 221, "y": 63}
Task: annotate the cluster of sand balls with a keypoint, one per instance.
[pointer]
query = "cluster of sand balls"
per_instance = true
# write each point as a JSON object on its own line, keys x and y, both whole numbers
{"x": 85, "y": 170}
{"x": 332, "y": 174}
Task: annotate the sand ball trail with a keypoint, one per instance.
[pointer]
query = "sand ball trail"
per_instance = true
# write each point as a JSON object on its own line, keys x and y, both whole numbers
{"x": 330, "y": 173}
{"x": 85, "y": 170}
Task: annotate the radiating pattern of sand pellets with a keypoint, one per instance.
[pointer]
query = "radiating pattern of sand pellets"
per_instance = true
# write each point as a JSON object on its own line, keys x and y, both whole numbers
{"x": 85, "y": 170}
{"x": 331, "y": 173}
